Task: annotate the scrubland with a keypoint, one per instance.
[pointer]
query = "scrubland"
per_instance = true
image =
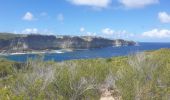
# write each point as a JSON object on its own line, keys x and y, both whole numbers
{"x": 140, "y": 76}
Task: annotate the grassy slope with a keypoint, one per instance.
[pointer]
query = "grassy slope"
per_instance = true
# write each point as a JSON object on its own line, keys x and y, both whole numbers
{"x": 145, "y": 76}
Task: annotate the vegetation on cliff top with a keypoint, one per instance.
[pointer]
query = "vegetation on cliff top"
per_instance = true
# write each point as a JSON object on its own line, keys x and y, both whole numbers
{"x": 7, "y": 36}
{"x": 142, "y": 76}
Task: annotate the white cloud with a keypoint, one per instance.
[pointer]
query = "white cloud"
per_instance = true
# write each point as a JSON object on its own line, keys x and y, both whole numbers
{"x": 92, "y": 3}
{"x": 28, "y": 16}
{"x": 91, "y": 34}
{"x": 30, "y": 31}
{"x": 107, "y": 31}
{"x": 137, "y": 3}
{"x": 36, "y": 31}
{"x": 82, "y": 29}
{"x": 157, "y": 33}
{"x": 60, "y": 17}
{"x": 122, "y": 34}
{"x": 164, "y": 17}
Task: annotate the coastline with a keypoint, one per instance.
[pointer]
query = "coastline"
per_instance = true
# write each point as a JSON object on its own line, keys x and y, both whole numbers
{"x": 36, "y": 52}
{"x": 59, "y": 51}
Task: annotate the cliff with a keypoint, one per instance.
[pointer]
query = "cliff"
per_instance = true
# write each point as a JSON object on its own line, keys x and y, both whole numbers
{"x": 50, "y": 42}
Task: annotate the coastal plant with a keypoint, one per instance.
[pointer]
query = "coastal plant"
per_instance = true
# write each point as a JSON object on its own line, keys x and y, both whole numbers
{"x": 34, "y": 79}
{"x": 141, "y": 76}
{"x": 72, "y": 84}
{"x": 139, "y": 80}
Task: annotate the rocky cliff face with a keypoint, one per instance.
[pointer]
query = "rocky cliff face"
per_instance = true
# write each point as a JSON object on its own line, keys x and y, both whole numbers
{"x": 44, "y": 42}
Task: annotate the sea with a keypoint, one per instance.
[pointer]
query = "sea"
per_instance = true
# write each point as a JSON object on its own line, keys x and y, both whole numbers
{"x": 106, "y": 52}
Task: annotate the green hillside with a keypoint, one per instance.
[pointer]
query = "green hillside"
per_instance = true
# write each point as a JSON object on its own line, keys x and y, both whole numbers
{"x": 143, "y": 76}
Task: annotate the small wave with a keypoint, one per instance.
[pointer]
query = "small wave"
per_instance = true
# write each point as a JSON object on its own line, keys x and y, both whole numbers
{"x": 58, "y": 51}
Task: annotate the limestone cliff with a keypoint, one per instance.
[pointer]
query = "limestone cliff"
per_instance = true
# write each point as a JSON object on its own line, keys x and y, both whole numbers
{"x": 50, "y": 42}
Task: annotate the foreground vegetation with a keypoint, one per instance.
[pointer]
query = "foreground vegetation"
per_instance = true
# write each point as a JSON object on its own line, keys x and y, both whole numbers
{"x": 142, "y": 76}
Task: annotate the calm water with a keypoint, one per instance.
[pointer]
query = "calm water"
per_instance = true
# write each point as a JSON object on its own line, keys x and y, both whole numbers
{"x": 93, "y": 53}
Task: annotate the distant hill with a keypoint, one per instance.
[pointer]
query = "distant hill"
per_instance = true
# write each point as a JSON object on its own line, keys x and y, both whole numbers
{"x": 19, "y": 43}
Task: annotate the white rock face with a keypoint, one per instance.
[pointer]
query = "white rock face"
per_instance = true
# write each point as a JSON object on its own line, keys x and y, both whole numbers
{"x": 108, "y": 95}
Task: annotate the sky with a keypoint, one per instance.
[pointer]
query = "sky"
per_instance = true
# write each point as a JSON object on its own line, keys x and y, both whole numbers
{"x": 138, "y": 20}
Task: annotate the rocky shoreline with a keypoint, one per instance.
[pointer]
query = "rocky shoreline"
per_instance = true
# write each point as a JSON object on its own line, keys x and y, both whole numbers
{"x": 36, "y": 52}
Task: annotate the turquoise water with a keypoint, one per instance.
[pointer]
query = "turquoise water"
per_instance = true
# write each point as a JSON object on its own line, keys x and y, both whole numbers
{"x": 93, "y": 53}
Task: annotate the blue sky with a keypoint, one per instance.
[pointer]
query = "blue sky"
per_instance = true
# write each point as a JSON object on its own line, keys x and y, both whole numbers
{"x": 139, "y": 20}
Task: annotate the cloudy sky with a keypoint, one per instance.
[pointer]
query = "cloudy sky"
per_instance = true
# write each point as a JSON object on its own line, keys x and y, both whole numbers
{"x": 139, "y": 20}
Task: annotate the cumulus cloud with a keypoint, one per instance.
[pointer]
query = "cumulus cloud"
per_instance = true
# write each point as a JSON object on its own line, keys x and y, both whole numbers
{"x": 60, "y": 17}
{"x": 36, "y": 31}
{"x": 92, "y": 3}
{"x": 137, "y": 3}
{"x": 30, "y": 31}
{"x": 28, "y": 16}
{"x": 123, "y": 34}
{"x": 91, "y": 34}
{"x": 82, "y": 29}
{"x": 164, "y": 17}
{"x": 157, "y": 33}
{"x": 107, "y": 31}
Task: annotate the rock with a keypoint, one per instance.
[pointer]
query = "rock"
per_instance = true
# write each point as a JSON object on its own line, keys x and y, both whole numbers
{"x": 108, "y": 94}
{"x": 50, "y": 42}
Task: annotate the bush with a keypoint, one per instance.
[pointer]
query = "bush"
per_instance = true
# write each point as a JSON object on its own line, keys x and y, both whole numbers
{"x": 142, "y": 76}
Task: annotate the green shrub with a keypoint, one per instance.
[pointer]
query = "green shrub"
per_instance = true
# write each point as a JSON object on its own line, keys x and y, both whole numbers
{"x": 142, "y": 76}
